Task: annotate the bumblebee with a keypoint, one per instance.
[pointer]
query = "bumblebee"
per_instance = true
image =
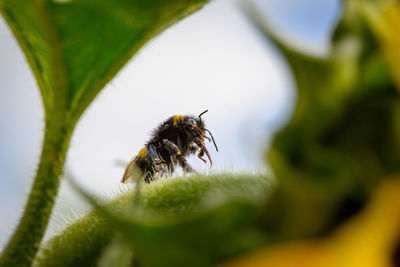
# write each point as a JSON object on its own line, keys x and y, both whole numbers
{"x": 171, "y": 142}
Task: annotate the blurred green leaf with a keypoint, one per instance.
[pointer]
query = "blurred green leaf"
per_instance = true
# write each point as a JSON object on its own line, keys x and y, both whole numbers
{"x": 183, "y": 195}
{"x": 368, "y": 239}
{"x": 343, "y": 136}
{"x": 384, "y": 19}
{"x": 211, "y": 220}
{"x": 75, "y": 47}
{"x": 202, "y": 240}
{"x": 198, "y": 220}
{"x": 82, "y": 242}
{"x": 116, "y": 253}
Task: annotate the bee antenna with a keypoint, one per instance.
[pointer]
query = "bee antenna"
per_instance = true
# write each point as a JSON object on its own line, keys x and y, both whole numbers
{"x": 203, "y": 113}
{"x": 212, "y": 137}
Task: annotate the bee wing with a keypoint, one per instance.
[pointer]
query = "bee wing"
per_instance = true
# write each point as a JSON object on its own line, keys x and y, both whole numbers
{"x": 129, "y": 171}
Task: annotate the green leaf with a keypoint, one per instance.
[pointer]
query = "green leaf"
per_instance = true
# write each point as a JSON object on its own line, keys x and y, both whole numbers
{"x": 195, "y": 219}
{"x": 343, "y": 137}
{"x": 200, "y": 220}
{"x": 383, "y": 17}
{"x": 82, "y": 242}
{"x": 200, "y": 241}
{"x": 74, "y": 48}
{"x": 117, "y": 253}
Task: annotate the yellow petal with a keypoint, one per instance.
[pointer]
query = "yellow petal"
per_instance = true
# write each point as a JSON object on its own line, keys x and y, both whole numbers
{"x": 366, "y": 240}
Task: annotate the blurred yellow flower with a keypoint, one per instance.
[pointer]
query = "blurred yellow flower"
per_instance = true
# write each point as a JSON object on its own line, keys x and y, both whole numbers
{"x": 369, "y": 239}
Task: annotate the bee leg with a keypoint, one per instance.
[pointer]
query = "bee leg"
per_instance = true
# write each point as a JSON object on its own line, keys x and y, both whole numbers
{"x": 148, "y": 177}
{"x": 200, "y": 156}
{"x": 193, "y": 149}
{"x": 201, "y": 133}
{"x": 173, "y": 149}
{"x": 160, "y": 166}
{"x": 171, "y": 169}
{"x": 185, "y": 166}
{"x": 208, "y": 155}
{"x": 203, "y": 150}
{"x": 176, "y": 153}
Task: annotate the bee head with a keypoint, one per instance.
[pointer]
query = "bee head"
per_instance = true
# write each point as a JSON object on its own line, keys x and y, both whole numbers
{"x": 195, "y": 123}
{"x": 198, "y": 128}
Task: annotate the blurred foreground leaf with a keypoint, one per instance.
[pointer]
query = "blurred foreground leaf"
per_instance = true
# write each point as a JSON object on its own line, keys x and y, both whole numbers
{"x": 116, "y": 253}
{"x": 369, "y": 239}
{"x": 344, "y": 136}
{"x": 198, "y": 220}
{"x": 199, "y": 241}
{"x": 74, "y": 48}
{"x": 384, "y": 19}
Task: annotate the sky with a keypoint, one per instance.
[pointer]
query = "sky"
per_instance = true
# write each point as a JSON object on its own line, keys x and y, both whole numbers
{"x": 213, "y": 60}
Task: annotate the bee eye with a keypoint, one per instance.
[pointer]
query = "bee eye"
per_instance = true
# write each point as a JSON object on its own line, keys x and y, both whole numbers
{"x": 192, "y": 122}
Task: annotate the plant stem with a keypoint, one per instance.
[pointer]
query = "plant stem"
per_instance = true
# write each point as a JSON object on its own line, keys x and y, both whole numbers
{"x": 23, "y": 245}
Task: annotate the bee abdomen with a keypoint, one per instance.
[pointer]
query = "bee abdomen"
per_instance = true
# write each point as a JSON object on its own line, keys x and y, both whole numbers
{"x": 136, "y": 167}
